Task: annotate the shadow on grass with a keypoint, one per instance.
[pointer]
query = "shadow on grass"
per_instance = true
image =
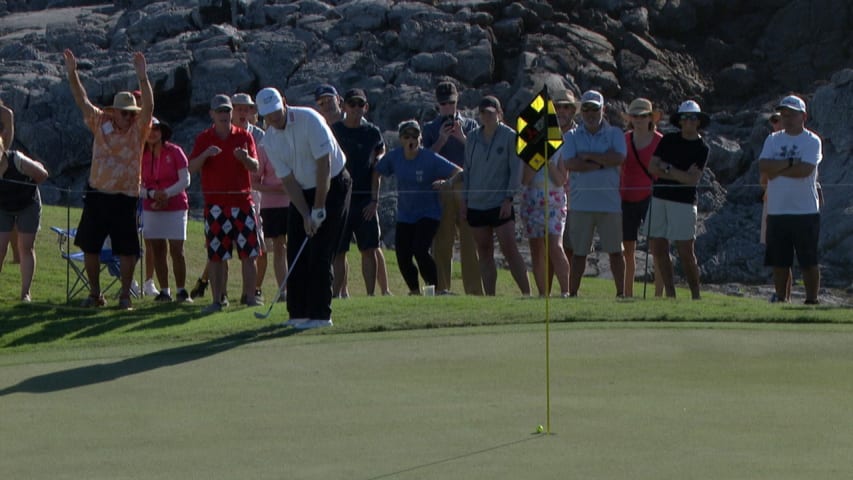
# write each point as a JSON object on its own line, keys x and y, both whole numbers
{"x": 105, "y": 372}
{"x": 457, "y": 457}
{"x": 61, "y": 321}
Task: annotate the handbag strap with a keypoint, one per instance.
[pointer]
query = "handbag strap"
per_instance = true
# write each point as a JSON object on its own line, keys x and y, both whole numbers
{"x": 637, "y": 157}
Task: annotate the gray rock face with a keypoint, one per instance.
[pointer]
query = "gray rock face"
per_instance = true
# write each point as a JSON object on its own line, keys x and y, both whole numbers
{"x": 726, "y": 54}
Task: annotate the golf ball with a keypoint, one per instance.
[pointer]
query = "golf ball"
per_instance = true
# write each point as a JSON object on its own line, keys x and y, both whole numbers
{"x": 540, "y": 429}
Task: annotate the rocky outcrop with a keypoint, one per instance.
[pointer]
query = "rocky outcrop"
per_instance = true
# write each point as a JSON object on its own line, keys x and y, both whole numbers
{"x": 736, "y": 58}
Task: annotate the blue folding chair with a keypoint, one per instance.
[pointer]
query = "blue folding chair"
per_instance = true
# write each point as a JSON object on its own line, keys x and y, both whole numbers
{"x": 75, "y": 263}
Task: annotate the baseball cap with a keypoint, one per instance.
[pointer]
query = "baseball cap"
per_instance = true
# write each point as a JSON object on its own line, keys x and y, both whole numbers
{"x": 446, "y": 92}
{"x": 490, "y": 102}
{"x": 241, "y": 99}
{"x": 792, "y": 102}
{"x": 407, "y": 126}
{"x": 268, "y": 101}
{"x": 592, "y": 96}
{"x": 356, "y": 93}
{"x": 221, "y": 101}
{"x": 324, "y": 90}
{"x": 564, "y": 96}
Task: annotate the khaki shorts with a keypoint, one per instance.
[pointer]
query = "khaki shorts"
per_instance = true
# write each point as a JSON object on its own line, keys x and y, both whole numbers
{"x": 584, "y": 224}
{"x": 673, "y": 221}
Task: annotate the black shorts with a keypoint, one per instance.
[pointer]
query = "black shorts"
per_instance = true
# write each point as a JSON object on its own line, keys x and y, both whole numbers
{"x": 108, "y": 214}
{"x": 488, "y": 218}
{"x": 274, "y": 221}
{"x": 366, "y": 232}
{"x": 633, "y": 214}
{"x": 789, "y": 233}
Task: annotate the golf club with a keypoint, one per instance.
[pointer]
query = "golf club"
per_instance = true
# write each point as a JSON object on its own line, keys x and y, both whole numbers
{"x": 284, "y": 283}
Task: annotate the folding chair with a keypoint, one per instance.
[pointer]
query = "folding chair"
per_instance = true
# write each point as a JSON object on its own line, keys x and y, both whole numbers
{"x": 75, "y": 262}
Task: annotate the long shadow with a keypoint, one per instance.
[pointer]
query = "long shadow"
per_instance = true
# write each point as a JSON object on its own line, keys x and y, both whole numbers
{"x": 105, "y": 372}
{"x": 457, "y": 457}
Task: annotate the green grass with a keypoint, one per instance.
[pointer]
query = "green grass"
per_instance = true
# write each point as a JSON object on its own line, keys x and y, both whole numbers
{"x": 50, "y": 322}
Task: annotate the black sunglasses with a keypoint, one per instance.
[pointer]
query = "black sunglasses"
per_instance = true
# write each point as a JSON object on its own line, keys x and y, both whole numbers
{"x": 590, "y": 108}
{"x": 449, "y": 102}
{"x": 356, "y": 103}
{"x": 689, "y": 116}
{"x": 127, "y": 113}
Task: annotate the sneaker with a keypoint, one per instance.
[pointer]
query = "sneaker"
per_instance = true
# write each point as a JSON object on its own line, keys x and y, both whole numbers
{"x": 251, "y": 302}
{"x": 163, "y": 297}
{"x": 124, "y": 303}
{"x": 445, "y": 292}
{"x": 224, "y": 300}
{"x": 294, "y": 322}
{"x": 199, "y": 288}
{"x": 307, "y": 325}
{"x": 259, "y": 295}
{"x": 214, "y": 307}
{"x": 26, "y": 298}
{"x": 387, "y": 293}
{"x": 149, "y": 289}
{"x": 184, "y": 296}
{"x": 93, "y": 301}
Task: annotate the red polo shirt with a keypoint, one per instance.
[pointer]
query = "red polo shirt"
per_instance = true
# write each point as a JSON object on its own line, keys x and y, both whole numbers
{"x": 224, "y": 179}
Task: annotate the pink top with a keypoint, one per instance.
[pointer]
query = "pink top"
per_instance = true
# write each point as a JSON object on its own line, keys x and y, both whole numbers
{"x": 266, "y": 176}
{"x": 635, "y": 185}
{"x": 162, "y": 173}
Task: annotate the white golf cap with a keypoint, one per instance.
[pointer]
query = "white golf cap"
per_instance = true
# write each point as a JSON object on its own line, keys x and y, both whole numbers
{"x": 268, "y": 100}
{"x": 792, "y": 102}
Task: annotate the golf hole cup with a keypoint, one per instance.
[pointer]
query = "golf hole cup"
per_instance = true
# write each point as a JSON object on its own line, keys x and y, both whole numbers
{"x": 429, "y": 291}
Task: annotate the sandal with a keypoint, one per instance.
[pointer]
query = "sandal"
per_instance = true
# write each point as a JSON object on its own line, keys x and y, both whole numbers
{"x": 93, "y": 301}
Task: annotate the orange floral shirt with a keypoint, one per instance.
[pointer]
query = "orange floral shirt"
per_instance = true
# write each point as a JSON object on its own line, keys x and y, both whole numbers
{"x": 116, "y": 156}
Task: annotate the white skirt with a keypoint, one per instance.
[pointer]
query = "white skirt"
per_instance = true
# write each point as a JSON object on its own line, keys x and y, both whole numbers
{"x": 164, "y": 225}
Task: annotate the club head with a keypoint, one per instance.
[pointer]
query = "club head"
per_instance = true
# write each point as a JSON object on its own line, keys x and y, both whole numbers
{"x": 261, "y": 316}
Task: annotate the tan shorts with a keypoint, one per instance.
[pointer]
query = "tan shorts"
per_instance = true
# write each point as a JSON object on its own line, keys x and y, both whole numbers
{"x": 584, "y": 224}
{"x": 673, "y": 221}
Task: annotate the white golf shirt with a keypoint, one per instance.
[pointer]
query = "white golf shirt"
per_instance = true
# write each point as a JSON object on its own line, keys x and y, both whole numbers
{"x": 305, "y": 138}
{"x": 793, "y": 196}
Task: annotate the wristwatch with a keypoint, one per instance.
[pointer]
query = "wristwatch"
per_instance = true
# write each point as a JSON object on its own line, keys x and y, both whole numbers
{"x": 668, "y": 168}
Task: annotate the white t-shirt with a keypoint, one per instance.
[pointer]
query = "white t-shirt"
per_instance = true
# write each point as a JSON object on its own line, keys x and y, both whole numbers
{"x": 305, "y": 138}
{"x": 786, "y": 195}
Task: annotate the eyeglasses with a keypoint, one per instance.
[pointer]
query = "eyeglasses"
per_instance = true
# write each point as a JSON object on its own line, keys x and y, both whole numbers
{"x": 356, "y": 103}
{"x": 127, "y": 113}
{"x": 689, "y": 116}
{"x": 640, "y": 115}
{"x": 590, "y": 108}
{"x": 449, "y": 102}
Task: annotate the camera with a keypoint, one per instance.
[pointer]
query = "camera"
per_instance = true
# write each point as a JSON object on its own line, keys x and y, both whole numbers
{"x": 448, "y": 118}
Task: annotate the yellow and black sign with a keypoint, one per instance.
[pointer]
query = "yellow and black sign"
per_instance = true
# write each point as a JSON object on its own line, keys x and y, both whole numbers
{"x": 539, "y": 134}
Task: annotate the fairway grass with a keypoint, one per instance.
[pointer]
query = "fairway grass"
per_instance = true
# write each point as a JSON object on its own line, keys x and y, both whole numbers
{"x": 627, "y": 401}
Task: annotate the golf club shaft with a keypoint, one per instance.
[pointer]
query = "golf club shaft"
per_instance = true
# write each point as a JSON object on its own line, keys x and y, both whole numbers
{"x": 284, "y": 283}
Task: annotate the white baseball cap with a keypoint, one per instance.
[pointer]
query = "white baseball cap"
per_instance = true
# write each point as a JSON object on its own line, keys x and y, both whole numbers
{"x": 592, "y": 96}
{"x": 792, "y": 102}
{"x": 268, "y": 100}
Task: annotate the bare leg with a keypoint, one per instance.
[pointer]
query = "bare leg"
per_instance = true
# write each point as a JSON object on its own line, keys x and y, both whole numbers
{"x": 559, "y": 263}
{"x": 261, "y": 265}
{"x": 663, "y": 264}
{"x": 341, "y": 269}
{"x": 27, "y": 252}
{"x": 578, "y": 267}
{"x": 506, "y": 240}
{"x": 382, "y": 272}
{"x": 157, "y": 252}
{"x": 486, "y": 258}
{"x": 537, "y": 258}
{"x": 790, "y": 284}
{"x": 688, "y": 261}
{"x": 179, "y": 263}
{"x": 811, "y": 279}
{"x": 368, "y": 269}
{"x": 250, "y": 273}
{"x": 92, "y": 264}
{"x": 128, "y": 265}
{"x": 216, "y": 272}
{"x": 617, "y": 268}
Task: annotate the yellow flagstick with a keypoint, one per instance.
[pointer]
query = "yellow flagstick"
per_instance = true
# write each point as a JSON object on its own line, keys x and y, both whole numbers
{"x": 548, "y": 108}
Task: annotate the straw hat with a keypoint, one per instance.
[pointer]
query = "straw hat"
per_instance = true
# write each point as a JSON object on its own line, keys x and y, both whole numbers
{"x": 124, "y": 101}
{"x": 641, "y": 106}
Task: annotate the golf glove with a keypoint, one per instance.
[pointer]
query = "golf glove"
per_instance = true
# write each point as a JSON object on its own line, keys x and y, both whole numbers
{"x": 318, "y": 215}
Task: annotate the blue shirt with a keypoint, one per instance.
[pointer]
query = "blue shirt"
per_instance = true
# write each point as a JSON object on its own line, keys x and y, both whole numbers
{"x": 596, "y": 190}
{"x": 416, "y": 198}
{"x": 453, "y": 150}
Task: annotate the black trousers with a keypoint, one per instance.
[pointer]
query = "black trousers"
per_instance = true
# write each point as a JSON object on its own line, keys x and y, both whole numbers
{"x": 309, "y": 286}
{"x": 414, "y": 240}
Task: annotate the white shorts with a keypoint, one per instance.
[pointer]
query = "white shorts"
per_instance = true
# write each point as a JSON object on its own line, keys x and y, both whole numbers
{"x": 673, "y": 221}
{"x": 164, "y": 225}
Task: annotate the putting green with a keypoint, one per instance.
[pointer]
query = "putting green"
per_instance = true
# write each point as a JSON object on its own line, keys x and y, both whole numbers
{"x": 657, "y": 403}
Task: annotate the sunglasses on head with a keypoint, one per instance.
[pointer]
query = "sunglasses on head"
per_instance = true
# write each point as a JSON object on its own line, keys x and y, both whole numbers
{"x": 356, "y": 103}
{"x": 590, "y": 108}
{"x": 689, "y": 116}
